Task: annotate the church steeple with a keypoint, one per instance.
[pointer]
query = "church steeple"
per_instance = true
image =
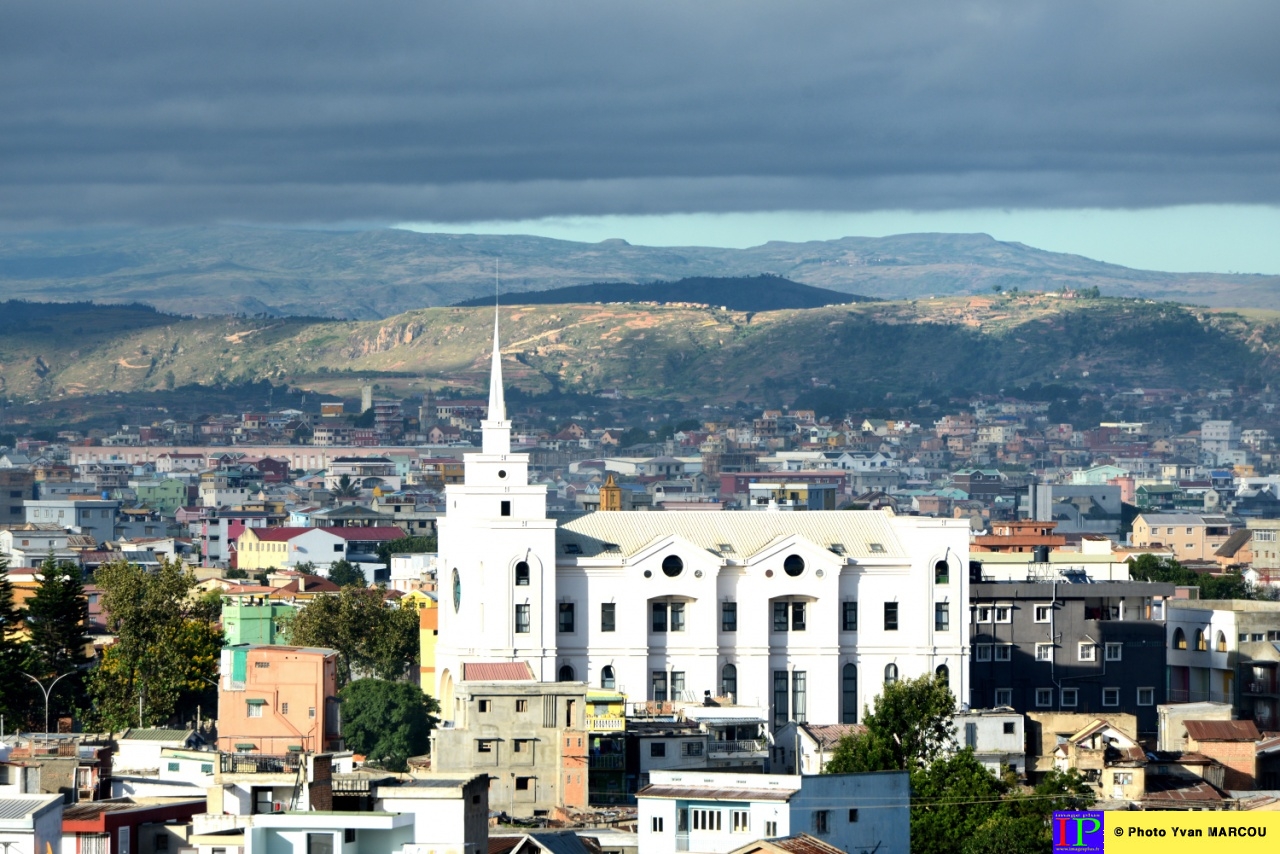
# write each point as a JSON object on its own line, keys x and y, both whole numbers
{"x": 497, "y": 405}
{"x": 496, "y": 428}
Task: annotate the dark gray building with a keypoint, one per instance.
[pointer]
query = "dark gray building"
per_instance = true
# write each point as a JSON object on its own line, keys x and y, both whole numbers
{"x": 1087, "y": 647}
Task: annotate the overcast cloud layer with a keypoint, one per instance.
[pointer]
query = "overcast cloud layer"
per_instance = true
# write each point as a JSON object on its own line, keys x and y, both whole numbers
{"x": 317, "y": 111}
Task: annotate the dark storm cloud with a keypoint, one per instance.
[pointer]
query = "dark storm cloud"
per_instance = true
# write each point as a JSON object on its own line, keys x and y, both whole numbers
{"x": 323, "y": 111}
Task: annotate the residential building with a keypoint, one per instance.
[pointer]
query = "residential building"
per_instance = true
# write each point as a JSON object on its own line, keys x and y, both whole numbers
{"x": 996, "y": 737}
{"x": 1191, "y": 536}
{"x": 31, "y": 823}
{"x": 1232, "y": 744}
{"x": 812, "y": 743}
{"x": 1202, "y": 647}
{"x": 718, "y": 812}
{"x": 1096, "y": 648}
{"x": 1077, "y": 509}
{"x": 113, "y": 825}
{"x": 276, "y": 700}
{"x": 16, "y": 487}
{"x": 250, "y": 615}
{"x": 529, "y": 737}
{"x": 93, "y": 516}
{"x": 286, "y": 548}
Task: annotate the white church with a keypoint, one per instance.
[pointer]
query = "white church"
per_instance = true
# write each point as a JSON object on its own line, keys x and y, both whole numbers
{"x": 806, "y": 613}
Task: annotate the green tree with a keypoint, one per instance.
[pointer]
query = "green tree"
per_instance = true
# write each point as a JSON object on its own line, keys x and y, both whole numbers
{"x": 346, "y": 487}
{"x": 910, "y": 727}
{"x": 1230, "y": 585}
{"x": 167, "y": 643}
{"x": 369, "y": 637}
{"x": 57, "y": 619}
{"x": 951, "y": 799}
{"x": 365, "y": 419}
{"x": 387, "y": 721}
{"x": 344, "y": 573}
{"x": 16, "y": 700}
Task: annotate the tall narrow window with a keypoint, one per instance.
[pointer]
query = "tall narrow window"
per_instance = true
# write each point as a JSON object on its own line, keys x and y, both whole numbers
{"x": 506, "y": 509}
{"x": 799, "y": 696}
{"x": 849, "y": 694}
{"x": 522, "y": 619}
{"x": 779, "y": 616}
{"x": 659, "y": 686}
{"x": 566, "y": 673}
{"x": 729, "y": 681}
{"x": 566, "y": 617}
{"x": 607, "y": 616}
{"x": 779, "y": 697}
{"x": 848, "y": 616}
{"x": 797, "y": 617}
{"x": 728, "y": 616}
{"x": 677, "y": 684}
{"x": 606, "y": 677}
{"x": 890, "y": 616}
{"x": 941, "y": 572}
{"x": 943, "y": 673}
{"x": 890, "y": 674}
{"x": 659, "y": 616}
{"x": 677, "y": 616}
{"x": 522, "y": 574}
{"x": 941, "y": 617}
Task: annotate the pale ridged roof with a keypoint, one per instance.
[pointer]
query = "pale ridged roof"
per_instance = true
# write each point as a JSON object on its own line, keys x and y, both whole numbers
{"x": 747, "y": 532}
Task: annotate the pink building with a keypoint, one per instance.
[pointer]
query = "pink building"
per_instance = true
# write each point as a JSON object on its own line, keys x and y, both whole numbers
{"x": 276, "y": 700}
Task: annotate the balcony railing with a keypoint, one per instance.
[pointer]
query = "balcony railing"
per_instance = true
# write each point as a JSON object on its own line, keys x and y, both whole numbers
{"x": 606, "y": 723}
{"x": 261, "y": 763}
{"x": 682, "y": 841}
{"x": 721, "y": 748}
{"x": 607, "y": 762}
{"x": 1261, "y": 686}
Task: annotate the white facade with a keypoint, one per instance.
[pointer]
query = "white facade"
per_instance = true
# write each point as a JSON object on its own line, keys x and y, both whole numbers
{"x": 30, "y": 824}
{"x": 804, "y": 613}
{"x": 718, "y": 812}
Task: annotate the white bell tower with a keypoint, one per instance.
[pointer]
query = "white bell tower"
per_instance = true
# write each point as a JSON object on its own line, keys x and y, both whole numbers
{"x": 497, "y": 564}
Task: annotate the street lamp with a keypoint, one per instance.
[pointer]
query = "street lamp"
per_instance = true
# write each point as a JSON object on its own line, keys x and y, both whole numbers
{"x": 47, "y": 692}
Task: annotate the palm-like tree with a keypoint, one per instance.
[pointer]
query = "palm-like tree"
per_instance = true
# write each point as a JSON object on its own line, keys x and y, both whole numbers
{"x": 346, "y": 488}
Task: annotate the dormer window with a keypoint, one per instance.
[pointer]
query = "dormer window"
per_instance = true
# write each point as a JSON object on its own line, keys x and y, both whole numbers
{"x": 572, "y": 549}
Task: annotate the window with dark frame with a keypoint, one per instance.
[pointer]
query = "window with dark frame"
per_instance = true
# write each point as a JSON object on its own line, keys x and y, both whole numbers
{"x": 565, "y": 623}
{"x": 608, "y": 616}
{"x": 849, "y": 616}
{"x": 728, "y": 616}
{"x": 890, "y": 616}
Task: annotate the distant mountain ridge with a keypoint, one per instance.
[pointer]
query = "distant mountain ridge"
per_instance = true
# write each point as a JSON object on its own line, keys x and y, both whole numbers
{"x": 738, "y": 293}
{"x": 221, "y": 270}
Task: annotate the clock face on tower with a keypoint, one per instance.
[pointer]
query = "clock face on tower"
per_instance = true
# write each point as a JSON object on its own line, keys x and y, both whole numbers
{"x": 457, "y": 589}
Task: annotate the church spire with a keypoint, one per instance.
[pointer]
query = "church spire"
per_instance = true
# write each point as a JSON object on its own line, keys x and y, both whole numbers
{"x": 497, "y": 405}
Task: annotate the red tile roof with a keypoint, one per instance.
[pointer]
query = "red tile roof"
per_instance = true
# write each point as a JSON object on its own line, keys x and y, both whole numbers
{"x": 497, "y": 671}
{"x": 1222, "y": 730}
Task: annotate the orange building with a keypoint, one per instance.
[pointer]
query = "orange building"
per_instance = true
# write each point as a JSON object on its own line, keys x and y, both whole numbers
{"x": 1019, "y": 537}
{"x": 277, "y": 700}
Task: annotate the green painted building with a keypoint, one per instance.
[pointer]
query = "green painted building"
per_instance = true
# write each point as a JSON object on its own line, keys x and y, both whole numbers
{"x": 164, "y": 495}
{"x": 252, "y": 619}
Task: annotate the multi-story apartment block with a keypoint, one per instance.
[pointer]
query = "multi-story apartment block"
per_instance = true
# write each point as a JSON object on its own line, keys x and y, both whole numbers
{"x": 92, "y": 516}
{"x": 1092, "y": 647}
{"x": 277, "y": 700}
{"x": 16, "y": 486}
{"x": 1190, "y": 536}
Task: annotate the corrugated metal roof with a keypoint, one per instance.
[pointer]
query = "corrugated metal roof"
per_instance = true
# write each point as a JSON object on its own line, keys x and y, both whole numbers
{"x": 829, "y": 735}
{"x": 803, "y": 843}
{"x": 747, "y": 532}
{"x": 156, "y": 734}
{"x": 1168, "y": 790}
{"x": 497, "y": 671}
{"x": 20, "y": 808}
{"x": 697, "y": 794}
{"x": 1222, "y": 730}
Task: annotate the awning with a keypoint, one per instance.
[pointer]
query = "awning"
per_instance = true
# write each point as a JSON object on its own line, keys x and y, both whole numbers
{"x": 256, "y": 702}
{"x": 246, "y": 747}
{"x": 295, "y": 748}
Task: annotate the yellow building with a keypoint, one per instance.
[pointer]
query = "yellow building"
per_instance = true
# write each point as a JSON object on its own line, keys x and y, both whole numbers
{"x": 428, "y": 635}
{"x": 606, "y": 710}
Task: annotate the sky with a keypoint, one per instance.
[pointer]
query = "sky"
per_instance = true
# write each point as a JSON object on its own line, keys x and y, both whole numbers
{"x": 1145, "y": 133}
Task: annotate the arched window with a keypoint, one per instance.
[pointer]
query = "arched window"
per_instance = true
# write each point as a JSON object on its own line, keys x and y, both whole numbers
{"x": 941, "y": 572}
{"x": 606, "y": 677}
{"x": 729, "y": 681}
{"x": 944, "y": 674}
{"x": 672, "y": 566}
{"x": 849, "y": 694}
{"x": 890, "y": 674}
{"x": 1222, "y": 642}
{"x": 1201, "y": 644}
{"x": 522, "y": 574}
{"x": 566, "y": 673}
{"x": 1179, "y": 638}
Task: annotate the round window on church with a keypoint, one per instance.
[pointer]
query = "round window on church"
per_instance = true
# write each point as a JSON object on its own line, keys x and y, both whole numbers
{"x": 672, "y": 566}
{"x": 793, "y": 565}
{"x": 502, "y": 473}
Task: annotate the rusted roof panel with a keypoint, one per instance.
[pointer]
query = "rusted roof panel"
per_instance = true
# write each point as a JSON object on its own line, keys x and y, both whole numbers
{"x": 1222, "y": 730}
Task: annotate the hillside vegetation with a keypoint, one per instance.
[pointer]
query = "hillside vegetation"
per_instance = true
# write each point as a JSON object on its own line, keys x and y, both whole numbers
{"x": 380, "y": 273}
{"x": 870, "y": 350}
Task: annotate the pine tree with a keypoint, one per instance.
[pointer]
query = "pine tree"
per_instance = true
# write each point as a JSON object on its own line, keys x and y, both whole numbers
{"x": 15, "y": 699}
{"x": 57, "y": 618}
